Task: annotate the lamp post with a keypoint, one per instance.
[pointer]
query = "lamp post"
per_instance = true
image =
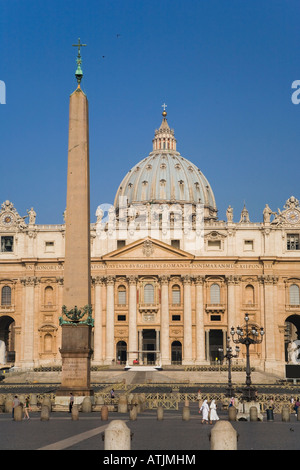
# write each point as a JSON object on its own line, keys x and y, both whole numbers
{"x": 229, "y": 356}
{"x": 247, "y": 336}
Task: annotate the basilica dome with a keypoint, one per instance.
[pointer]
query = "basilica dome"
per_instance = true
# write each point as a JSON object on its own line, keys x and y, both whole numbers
{"x": 165, "y": 177}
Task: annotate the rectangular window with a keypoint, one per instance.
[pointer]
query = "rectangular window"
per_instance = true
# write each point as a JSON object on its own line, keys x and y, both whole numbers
{"x": 214, "y": 244}
{"x": 175, "y": 317}
{"x": 175, "y": 296}
{"x": 121, "y": 317}
{"x": 175, "y": 244}
{"x": 7, "y": 244}
{"x": 248, "y": 245}
{"x": 122, "y": 296}
{"x": 49, "y": 247}
{"x": 149, "y": 294}
{"x": 215, "y": 318}
{"x": 292, "y": 241}
{"x": 120, "y": 244}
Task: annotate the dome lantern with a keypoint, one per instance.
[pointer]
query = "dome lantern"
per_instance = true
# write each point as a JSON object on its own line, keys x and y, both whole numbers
{"x": 164, "y": 136}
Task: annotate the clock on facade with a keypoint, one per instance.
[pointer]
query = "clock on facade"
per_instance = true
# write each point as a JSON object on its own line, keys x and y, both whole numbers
{"x": 7, "y": 219}
{"x": 292, "y": 216}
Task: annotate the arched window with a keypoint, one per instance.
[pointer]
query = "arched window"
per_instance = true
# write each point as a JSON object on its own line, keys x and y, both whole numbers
{"x": 176, "y": 295}
{"x": 294, "y": 295}
{"x": 149, "y": 294}
{"x": 49, "y": 295}
{"x": 215, "y": 297}
{"x": 249, "y": 294}
{"x": 122, "y": 295}
{"x": 6, "y": 295}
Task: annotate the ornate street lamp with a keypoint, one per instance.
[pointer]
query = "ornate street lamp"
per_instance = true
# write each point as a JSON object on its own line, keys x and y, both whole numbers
{"x": 247, "y": 336}
{"x": 229, "y": 356}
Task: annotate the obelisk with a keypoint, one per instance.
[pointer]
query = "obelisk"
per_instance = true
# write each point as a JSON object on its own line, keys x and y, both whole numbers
{"x": 76, "y": 320}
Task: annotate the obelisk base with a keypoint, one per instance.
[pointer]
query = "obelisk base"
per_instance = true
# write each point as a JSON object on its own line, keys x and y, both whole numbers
{"x": 76, "y": 355}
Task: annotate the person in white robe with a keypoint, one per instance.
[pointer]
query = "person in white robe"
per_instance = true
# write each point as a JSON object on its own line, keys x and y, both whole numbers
{"x": 213, "y": 412}
{"x": 205, "y": 411}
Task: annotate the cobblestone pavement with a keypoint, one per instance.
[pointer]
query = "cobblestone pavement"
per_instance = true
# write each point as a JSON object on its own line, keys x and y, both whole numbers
{"x": 172, "y": 434}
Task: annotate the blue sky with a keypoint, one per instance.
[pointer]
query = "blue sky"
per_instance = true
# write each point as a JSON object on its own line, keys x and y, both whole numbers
{"x": 223, "y": 67}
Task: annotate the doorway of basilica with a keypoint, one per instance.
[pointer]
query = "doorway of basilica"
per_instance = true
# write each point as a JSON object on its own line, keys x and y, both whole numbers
{"x": 149, "y": 346}
{"x": 176, "y": 353}
{"x": 121, "y": 352}
{"x": 7, "y": 340}
{"x": 215, "y": 346}
{"x": 292, "y": 334}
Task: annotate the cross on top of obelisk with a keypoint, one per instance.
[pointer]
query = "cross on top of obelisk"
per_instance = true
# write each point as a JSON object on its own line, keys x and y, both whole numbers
{"x": 78, "y": 73}
{"x": 79, "y": 45}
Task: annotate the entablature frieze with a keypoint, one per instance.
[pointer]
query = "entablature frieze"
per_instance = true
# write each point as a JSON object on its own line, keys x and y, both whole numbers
{"x": 268, "y": 279}
{"x": 30, "y": 281}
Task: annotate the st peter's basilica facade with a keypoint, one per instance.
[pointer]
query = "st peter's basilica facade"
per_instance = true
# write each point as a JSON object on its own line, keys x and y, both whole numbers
{"x": 169, "y": 279}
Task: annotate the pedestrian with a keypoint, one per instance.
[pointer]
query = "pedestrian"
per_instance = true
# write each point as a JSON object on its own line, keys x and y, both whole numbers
{"x": 231, "y": 402}
{"x": 112, "y": 393}
{"x": 16, "y": 402}
{"x": 27, "y": 408}
{"x": 297, "y": 404}
{"x": 213, "y": 412}
{"x": 205, "y": 411}
{"x": 199, "y": 394}
{"x": 271, "y": 405}
{"x": 71, "y": 402}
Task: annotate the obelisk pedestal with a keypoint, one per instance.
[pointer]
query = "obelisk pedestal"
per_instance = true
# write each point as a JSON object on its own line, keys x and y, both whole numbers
{"x": 76, "y": 354}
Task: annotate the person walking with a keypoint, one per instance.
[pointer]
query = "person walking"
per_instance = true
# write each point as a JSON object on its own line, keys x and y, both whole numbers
{"x": 205, "y": 411}
{"x": 296, "y": 406}
{"x": 26, "y": 408}
{"x": 231, "y": 402}
{"x": 16, "y": 402}
{"x": 71, "y": 402}
{"x": 213, "y": 412}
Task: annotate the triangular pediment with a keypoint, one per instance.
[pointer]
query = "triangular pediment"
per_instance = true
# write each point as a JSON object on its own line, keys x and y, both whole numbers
{"x": 148, "y": 248}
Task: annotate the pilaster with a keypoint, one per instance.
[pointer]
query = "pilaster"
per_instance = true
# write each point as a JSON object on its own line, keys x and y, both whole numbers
{"x": 187, "y": 320}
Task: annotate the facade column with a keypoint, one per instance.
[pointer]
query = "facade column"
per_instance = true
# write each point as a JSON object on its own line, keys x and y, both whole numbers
{"x": 110, "y": 320}
{"x": 269, "y": 338}
{"x": 231, "y": 304}
{"x": 98, "y": 346}
{"x": 187, "y": 321}
{"x": 165, "y": 321}
{"x": 28, "y": 324}
{"x": 140, "y": 345}
{"x": 59, "y": 303}
{"x": 200, "y": 335}
{"x": 157, "y": 347}
{"x": 132, "y": 323}
{"x": 207, "y": 345}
